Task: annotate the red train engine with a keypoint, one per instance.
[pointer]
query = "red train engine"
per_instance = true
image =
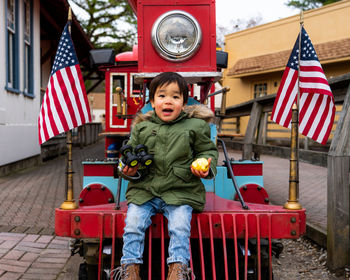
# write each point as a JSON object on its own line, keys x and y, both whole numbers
{"x": 231, "y": 238}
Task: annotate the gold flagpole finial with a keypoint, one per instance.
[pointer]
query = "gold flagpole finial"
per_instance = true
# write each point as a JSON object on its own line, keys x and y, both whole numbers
{"x": 69, "y": 13}
{"x": 301, "y": 17}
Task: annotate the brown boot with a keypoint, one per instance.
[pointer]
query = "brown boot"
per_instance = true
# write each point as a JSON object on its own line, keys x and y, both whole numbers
{"x": 126, "y": 272}
{"x": 179, "y": 271}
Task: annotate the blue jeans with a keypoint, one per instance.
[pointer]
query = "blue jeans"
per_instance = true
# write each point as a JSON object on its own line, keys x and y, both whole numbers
{"x": 138, "y": 219}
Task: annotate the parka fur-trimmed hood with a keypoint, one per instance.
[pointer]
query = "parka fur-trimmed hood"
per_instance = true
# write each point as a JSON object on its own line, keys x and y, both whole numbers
{"x": 192, "y": 111}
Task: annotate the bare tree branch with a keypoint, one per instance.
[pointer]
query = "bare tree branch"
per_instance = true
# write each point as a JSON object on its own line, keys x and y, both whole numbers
{"x": 104, "y": 22}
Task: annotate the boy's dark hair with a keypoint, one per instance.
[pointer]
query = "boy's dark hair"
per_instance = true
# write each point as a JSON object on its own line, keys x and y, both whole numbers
{"x": 167, "y": 78}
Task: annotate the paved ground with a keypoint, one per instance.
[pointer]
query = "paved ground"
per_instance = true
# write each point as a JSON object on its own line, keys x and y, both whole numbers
{"x": 28, "y": 198}
{"x": 312, "y": 186}
{"x": 32, "y": 256}
{"x": 28, "y": 247}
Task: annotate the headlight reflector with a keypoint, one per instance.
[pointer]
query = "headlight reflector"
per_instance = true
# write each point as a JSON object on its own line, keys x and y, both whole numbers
{"x": 176, "y": 35}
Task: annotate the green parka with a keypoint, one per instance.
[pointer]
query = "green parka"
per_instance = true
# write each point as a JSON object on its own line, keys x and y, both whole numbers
{"x": 174, "y": 146}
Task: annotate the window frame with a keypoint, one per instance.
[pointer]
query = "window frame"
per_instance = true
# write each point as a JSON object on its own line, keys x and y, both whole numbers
{"x": 12, "y": 59}
{"x": 28, "y": 67}
{"x": 260, "y": 84}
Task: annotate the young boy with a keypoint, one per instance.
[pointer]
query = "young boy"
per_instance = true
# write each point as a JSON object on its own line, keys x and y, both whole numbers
{"x": 175, "y": 135}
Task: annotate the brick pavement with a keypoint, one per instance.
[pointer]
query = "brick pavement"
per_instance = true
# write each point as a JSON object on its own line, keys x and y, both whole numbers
{"x": 312, "y": 186}
{"x": 28, "y": 198}
{"x": 28, "y": 247}
{"x": 32, "y": 256}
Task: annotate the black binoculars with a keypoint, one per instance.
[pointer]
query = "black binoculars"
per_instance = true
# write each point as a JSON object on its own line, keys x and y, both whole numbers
{"x": 140, "y": 155}
{"x": 145, "y": 159}
{"x": 128, "y": 158}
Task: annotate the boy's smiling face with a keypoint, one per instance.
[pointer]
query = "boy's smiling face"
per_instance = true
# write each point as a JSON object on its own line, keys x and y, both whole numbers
{"x": 168, "y": 102}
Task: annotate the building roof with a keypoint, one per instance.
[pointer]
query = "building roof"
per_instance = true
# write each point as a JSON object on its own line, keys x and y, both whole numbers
{"x": 327, "y": 52}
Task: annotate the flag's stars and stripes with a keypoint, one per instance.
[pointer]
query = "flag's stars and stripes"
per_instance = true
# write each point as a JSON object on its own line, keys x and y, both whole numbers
{"x": 316, "y": 108}
{"x": 65, "y": 103}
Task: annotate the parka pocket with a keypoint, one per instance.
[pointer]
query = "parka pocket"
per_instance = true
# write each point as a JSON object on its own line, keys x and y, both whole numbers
{"x": 183, "y": 173}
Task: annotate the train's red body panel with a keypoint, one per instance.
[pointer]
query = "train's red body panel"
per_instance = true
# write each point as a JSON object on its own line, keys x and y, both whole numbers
{"x": 91, "y": 221}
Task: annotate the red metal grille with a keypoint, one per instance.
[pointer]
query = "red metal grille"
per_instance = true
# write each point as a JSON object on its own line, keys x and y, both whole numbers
{"x": 221, "y": 237}
{"x": 217, "y": 255}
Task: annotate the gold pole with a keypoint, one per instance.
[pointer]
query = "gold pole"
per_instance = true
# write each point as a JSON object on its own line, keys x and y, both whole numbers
{"x": 119, "y": 100}
{"x": 69, "y": 203}
{"x": 293, "y": 203}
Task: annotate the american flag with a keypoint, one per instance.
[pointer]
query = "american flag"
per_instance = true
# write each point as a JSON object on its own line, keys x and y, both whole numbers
{"x": 65, "y": 104}
{"x": 316, "y": 108}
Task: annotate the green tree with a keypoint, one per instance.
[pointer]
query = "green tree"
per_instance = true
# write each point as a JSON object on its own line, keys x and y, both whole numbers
{"x": 309, "y": 4}
{"x": 108, "y": 23}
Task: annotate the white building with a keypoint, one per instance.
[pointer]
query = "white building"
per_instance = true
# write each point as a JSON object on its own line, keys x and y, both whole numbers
{"x": 19, "y": 79}
{"x": 29, "y": 35}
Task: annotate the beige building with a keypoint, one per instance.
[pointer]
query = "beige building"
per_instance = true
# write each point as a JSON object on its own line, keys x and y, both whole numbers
{"x": 258, "y": 55}
{"x": 97, "y": 106}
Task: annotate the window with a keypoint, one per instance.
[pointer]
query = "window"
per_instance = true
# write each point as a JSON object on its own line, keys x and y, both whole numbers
{"x": 12, "y": 83}
{"x": 260, "y": 89}
{"x": 135, "y": 89}
{"x": 118, "y": 105}
{"x": 28, "y": 49}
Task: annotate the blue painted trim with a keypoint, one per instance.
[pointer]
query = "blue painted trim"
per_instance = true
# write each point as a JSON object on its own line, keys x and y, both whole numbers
{"x": 247, "y": 162}
{"x": 13, "y": 90}
{"x": 213, "y": 132}
{"x": 6, "y": 47}
{"x": 29, "y": 95}
{"x": 209, "y": 185}
{"x": 17, "y": 53}
{"x": 110, "y": 182}
{"x": 244, "y": 180}
{"x": 15, "y": 86}
{"x": 223, "y": 186}
{"x": 30, "y": 89}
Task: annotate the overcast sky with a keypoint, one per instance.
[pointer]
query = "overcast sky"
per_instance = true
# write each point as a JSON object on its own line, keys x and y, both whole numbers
{"x": 227, "y": 10}
{"x": 269, "y": 10}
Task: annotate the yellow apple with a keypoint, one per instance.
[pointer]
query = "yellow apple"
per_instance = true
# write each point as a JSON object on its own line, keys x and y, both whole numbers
{"x": 201, "y": 164}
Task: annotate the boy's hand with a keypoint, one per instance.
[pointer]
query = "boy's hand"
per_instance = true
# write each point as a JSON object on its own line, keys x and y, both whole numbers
{"x": 199, "y": 173}
{"x": 130, "y": 171}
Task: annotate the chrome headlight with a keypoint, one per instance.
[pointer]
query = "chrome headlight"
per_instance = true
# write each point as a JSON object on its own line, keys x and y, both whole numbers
{"x": 176, "y": 35}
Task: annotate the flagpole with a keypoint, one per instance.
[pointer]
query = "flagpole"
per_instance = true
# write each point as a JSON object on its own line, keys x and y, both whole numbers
{"x": 293, "y": 199}
{"x": 69, "y": 203}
